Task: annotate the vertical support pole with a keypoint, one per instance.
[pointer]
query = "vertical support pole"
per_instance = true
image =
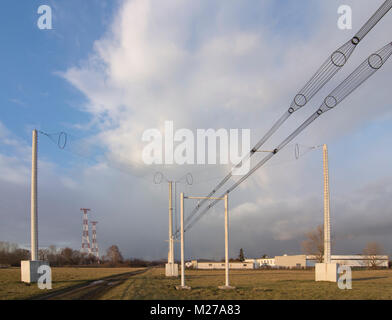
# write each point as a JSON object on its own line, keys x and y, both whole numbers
{"x": 227, "y": 240}
{"x": 182, "y": 286}
{"x": 227, "y": 264}
{"x": 170, "y": 259}
{"x": 175, "y": 211}
{"x": 327, "y": 222}
{"x": 33, "y": 212}
{"x": 182, "y": 241}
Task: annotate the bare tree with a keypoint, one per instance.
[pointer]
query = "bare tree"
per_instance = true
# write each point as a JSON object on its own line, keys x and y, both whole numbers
{"x": 372, "y": 253}
{"x": 67, "y": 256}
{"x": 314, "y": 243}
{"x": 52, "y": 249}
{"x": 114, "y": 255}
{"x": 43, "y": 254}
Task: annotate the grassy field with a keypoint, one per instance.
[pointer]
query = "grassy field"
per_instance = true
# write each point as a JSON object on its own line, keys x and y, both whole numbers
{"x": 250, "y": 284}
{"x": 12, "y": 288}
{"x": 254, "y": 284}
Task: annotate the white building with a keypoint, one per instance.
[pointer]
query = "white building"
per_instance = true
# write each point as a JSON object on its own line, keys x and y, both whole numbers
{"x": 291, "y": 261}
{"x": 303, "y": 261}
{"x": 361, "y": 260}
{"x": 214, "y": 265}
{"x": 266, "y": 262}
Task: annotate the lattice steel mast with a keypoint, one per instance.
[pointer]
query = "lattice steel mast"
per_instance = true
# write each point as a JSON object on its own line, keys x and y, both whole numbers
{"x": 85, "y": 237}
{"x": 94, "y": 245}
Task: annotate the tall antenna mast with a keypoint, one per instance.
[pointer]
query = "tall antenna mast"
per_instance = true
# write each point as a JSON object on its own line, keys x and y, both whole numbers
{"x": 85, "y": 237}
{"x": 94, "y": 247}
{"x": 170, "y": 258}
{"x": 326, "y": 271}
{"x": 29, "y": 268}
{"x": 327, "y": 220}
{"x": 34, "y": 217}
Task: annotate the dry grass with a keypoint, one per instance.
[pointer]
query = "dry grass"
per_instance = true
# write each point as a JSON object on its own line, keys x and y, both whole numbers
{"x": 12, "y": 288}
{"x": 254, "y": 284}
{"x": 250, "y": 284}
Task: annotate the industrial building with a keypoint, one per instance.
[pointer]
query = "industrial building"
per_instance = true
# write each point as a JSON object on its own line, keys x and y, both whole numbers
{"x": 360, "y": 260}
{"x": 268, "y": 262}
{"x": 304, "y": 261}
{"x": 291, "y": 262}
{"x": 263, "y": 262}
{"x": 219, "y": 265}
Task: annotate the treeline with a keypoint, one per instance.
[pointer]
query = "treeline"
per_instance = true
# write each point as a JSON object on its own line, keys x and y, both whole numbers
{"x": 11, "y": 255}
{"x": 114, "y": 258}
{"x": 66, "y": 257}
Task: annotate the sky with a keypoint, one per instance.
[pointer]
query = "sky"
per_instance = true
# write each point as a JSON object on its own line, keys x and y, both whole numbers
{"x": 109, "y": 70}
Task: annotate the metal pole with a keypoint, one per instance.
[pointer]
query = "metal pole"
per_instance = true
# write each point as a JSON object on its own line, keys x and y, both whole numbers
{"x": 327, "y": 222}
{"x": 227, "y": 264}
{"x": 227, "y": 240}
{"x": 175, "y": 211}
{"x": 170, "y": 255}
{"x": 182, "y": 286}
{"x": 182, "y": 241}
{"x": 34, "y": 224}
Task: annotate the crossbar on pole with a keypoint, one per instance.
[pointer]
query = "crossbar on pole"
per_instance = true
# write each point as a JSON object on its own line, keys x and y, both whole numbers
{"x": 212, "y": 198}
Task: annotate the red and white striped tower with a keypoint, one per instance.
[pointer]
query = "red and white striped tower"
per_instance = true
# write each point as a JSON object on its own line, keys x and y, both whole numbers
{"x": 94, "y": 247}
{"x": 85, "y": 237}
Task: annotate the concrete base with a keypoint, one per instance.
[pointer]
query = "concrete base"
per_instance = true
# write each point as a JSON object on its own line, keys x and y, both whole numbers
{"x": 171, "y": 270}
{"x": 183, "y": 288}
{"x": 226, "y": 287}
{"x": 29, "y": 270}
{"x": 327, "y": 272}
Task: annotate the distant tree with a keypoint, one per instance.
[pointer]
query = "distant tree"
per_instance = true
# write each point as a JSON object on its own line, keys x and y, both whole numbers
{"x": 43, "y": 254}
{"x": 371, "y": 253}
{"x": 17, "y": 256}
{"x": 264, "y": 256}
{"x": 52, "y": 249}
{"x": 11, "y": 254}
{"x": 314, "y": 244}
{"x": 114, "y": 255}
{"x": 241, "y": 256}
{"x": 66, "y": 256}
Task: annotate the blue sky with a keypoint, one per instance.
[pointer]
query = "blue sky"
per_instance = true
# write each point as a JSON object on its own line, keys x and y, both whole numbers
{"x": 33, "y": 95}
{"x": 110, "y": 69}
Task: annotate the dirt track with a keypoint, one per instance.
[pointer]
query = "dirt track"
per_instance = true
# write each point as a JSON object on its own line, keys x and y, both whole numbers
{"x": 91, "y": 290}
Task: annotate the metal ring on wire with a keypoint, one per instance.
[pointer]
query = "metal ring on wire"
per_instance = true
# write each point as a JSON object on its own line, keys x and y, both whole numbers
{"x": 336, "y": 57}
{"x": 189, "y": 179}
{"x": 330, "y": 101}
{"x": 375, "y": 61}
{"x": 158, "y": 177}
{"x": 300, "y": 100}
{"x": 59, "y": 144}
{"x": 355, "y": 41}
{"x": 296, "y": 151}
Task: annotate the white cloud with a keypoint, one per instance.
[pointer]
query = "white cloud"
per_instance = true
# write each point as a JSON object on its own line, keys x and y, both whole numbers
{"x": 159, "y": 61}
